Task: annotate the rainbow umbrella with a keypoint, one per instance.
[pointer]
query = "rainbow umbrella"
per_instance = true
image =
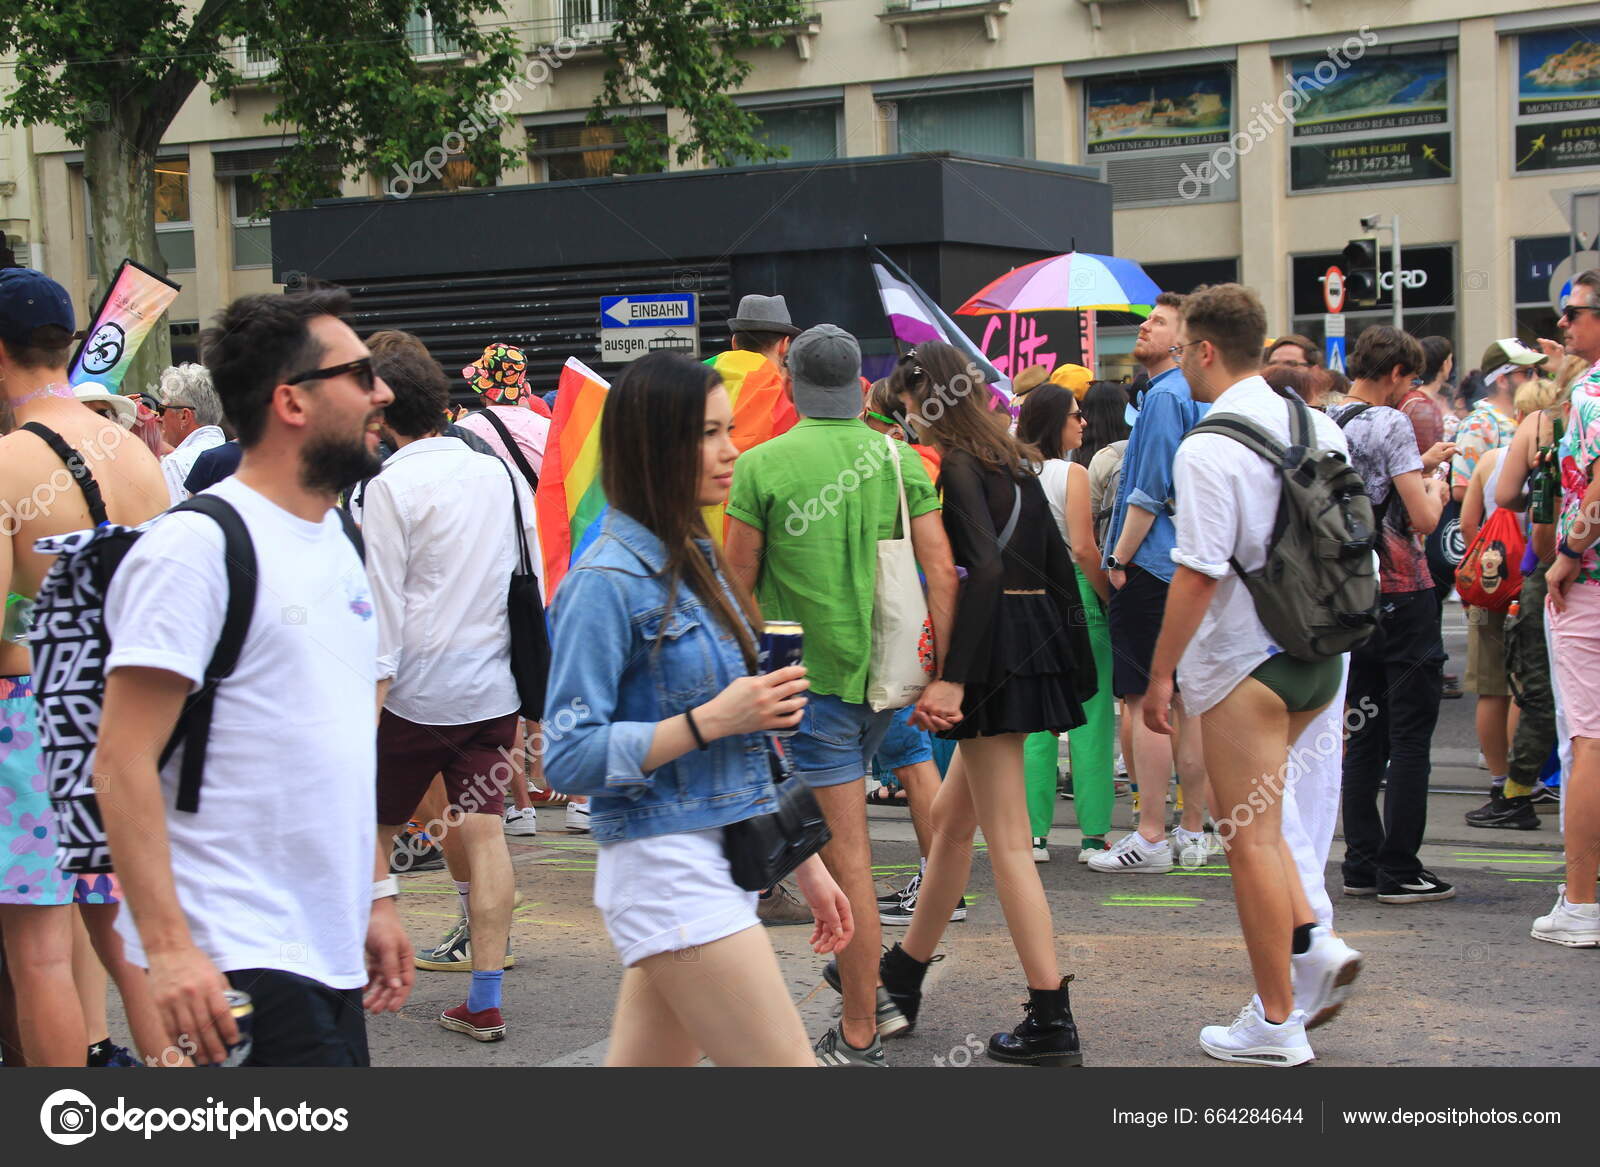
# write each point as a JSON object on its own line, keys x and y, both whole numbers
{"x": 1074, "y": 282}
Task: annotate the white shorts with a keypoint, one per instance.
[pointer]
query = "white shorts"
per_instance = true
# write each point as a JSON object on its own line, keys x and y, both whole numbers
{"x": 669, "y": 893}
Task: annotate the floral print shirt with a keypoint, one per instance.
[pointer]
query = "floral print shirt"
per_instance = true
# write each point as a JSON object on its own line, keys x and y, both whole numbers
{"x": 1578, "y": 453}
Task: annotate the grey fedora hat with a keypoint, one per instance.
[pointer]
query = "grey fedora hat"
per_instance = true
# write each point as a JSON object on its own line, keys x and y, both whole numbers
{"x": 762, "y": 314}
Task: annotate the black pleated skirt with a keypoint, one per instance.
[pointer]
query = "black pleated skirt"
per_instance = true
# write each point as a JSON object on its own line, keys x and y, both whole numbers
{"x": 1028, "y": 686}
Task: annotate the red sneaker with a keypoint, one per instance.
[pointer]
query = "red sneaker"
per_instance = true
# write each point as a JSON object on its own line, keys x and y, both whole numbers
{"x": 485, "y": 1025}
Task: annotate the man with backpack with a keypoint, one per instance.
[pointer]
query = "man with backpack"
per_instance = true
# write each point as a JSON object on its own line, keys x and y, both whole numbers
{"x": 1255, "y": 622}
{"x": 297, "y": 909}
{"x": 1396, "y": 678}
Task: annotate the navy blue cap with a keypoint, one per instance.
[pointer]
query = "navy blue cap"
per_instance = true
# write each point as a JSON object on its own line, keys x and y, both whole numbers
{"x": 30, "y": 299}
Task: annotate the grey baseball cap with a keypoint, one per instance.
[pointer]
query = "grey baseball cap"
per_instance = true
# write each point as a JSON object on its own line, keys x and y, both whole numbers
{"x": 825, "y": 372}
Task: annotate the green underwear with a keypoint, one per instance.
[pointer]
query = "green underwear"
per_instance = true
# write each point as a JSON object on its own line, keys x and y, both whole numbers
{"x": 1303, "y": 685}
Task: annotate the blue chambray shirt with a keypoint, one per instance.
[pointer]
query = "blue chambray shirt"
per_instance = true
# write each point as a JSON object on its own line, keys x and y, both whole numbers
{"x": 1169, "y": 412}
{"x": 622, "y": 660}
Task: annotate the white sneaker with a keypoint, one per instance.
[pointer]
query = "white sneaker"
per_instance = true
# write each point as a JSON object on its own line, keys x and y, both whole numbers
{"x": 522, "y": 821}
{"x": 1133, "y": 855}
{"x": 1214, "y": 844}
{"x": 578, "y": 816}
{"x": 1323, "y": 975}
{"x": 1574, "y": 925}
{"x": 1191, "y": 848}
{"x": 1041, "y": 851}
{"x": 1086, "y": 853}
{"x": 1255, "y": 1040}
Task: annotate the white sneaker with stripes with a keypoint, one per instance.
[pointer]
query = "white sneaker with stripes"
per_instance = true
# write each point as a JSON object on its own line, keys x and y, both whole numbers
{"x": 1134, "y": 855}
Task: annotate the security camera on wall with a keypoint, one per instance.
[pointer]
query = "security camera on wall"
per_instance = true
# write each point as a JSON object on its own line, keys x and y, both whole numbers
{"x": 1370, "y": 222}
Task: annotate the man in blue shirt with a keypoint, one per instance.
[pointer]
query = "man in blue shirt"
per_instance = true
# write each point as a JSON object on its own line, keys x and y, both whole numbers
{"x": 1139, "y": 562}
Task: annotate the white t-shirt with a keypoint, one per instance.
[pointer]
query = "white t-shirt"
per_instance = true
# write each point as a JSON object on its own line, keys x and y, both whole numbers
{"x": 175, "y": 467}
{"x": 275, "y": 868}
{"x": 1227, "y": 502}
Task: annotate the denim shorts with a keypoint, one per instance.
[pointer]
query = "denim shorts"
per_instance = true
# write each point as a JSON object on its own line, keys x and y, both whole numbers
{"x": 836, "y": 739}
{"x": 903, "y": 745}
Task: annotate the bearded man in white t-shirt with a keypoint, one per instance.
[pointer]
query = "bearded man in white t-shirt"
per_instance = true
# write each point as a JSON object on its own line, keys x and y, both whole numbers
{"x": 274, "y": 885}
{"x": 1254, "y": 700}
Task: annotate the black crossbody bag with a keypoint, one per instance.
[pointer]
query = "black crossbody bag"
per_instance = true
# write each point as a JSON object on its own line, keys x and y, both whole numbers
{"x": 765, "y": 850}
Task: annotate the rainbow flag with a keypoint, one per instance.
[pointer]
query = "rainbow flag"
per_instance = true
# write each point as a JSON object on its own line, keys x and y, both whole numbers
{"x": 134, "y": 301}
{"x": 761, "y": 408}
{"x": 570, "y": 504}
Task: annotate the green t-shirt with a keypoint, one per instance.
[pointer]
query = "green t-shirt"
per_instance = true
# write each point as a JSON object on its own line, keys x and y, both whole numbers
{"x": 823, "y": 494}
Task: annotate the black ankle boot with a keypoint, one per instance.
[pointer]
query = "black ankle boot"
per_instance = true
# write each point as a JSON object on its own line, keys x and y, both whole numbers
{"x": 902, "y": 975}
{"x": 1047, "y": 1036}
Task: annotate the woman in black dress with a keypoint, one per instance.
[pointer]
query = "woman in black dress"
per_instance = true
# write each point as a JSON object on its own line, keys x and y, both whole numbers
{"x": 1020, "y": 648}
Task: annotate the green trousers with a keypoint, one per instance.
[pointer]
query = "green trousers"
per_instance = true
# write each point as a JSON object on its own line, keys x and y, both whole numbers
{"x": 1092, "y": 744}
{"x": 1528, "y": 663}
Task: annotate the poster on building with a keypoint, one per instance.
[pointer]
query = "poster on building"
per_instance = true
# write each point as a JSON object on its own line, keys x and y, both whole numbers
{"x": 1370, "y": 95}
{"x": 1558, "y": 100}
{"x": 1558, "y": 145}
{"x": 1330, "y": 165}
{"x": 1159, "y": 111}
{"x": 1558, "y": 71}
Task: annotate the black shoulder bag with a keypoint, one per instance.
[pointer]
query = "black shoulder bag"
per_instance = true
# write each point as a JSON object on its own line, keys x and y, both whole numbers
{"x": 530, "y": 640}
{"x": 764, "y": 850}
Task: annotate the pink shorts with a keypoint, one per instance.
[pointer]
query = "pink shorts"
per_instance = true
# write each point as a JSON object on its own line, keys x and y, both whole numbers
{"x": 1576, "y": 636}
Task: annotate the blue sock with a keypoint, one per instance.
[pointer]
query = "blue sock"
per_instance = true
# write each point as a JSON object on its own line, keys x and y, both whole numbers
{"x": 485, "y": 991}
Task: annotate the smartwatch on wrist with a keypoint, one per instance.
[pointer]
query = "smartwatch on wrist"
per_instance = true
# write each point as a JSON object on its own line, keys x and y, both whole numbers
{"x": 1115, "y": 564}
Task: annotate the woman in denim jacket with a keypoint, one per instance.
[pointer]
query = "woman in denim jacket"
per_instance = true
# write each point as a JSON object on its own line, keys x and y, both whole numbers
{"x": 650, "y": 670}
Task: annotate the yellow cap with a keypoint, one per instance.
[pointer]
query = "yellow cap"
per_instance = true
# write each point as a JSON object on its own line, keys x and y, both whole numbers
{"x": 1073, "y": 377}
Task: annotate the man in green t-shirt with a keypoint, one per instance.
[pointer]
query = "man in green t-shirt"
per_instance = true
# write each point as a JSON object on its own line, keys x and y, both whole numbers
{"x": 804, "y": 520}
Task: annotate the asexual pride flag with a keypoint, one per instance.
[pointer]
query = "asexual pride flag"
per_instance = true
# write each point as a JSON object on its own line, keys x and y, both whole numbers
{"x": 132, "y": 306}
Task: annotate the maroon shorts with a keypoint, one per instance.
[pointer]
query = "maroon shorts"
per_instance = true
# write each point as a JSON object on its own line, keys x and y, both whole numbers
{"x": 475, "y": 760}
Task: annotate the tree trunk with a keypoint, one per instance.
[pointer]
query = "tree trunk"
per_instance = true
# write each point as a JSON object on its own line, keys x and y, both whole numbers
{"x": 121, "y": 181}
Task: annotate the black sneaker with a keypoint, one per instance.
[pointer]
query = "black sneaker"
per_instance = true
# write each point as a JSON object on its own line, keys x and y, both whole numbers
{"x": 1424, "y": 887}
{"x": 413, "y": 853}
{"x": 1545, "y": 797}
{"x": 1513, "y": 814}
{"x": 899, "y": 915}
{"x": 1452, "y": 687}
{"x": 892, "y": 899}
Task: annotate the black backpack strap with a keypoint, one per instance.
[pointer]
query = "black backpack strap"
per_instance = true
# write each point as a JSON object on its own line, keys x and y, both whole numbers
{"x": 1246, "y": 433}
{"x": 512, "y": 448}
{"x": 194, "y": 723}
{"x": 78, "y": 468}
{"x": 1352, "y": 413}
{"x": 352, "y": 529}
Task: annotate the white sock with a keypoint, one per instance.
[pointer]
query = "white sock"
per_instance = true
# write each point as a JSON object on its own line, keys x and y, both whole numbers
{"x": 922, "y": 866}
{"x": 462, "y": 888}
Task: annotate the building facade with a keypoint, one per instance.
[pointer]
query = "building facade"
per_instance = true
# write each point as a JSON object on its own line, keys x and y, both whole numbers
{"x": 1243, "y": 139}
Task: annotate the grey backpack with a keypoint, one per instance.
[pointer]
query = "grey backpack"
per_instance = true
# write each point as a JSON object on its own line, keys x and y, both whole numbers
{"x": 1317, "y": 593}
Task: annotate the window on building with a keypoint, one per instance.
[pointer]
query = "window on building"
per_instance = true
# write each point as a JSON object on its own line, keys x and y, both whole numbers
{"x": 185, "y": 336}
{"x": 252, "y": 237}
{"x": 576, "y": 150}
{"x": 588, "y": 20}
{"x": 811, "y": 132}
{"x": 458, "y": 174}
{"x": 424, "y": 41}
{"x": 993, "y": 121}
{"x": 174, "y": 229}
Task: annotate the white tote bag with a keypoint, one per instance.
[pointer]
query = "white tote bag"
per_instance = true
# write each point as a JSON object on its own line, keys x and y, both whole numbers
{"x": 897, "y": 674}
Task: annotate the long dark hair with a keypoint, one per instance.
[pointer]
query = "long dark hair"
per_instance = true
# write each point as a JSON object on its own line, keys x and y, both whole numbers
{"x": 951, "y": 401}
{"x": 650, "y": 465}
{"x": 1105, "y": 419}
{"x": 1043, "y": 416}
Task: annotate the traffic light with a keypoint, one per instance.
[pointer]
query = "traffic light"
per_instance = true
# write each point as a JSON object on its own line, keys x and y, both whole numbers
{"x": 1360, "y": 263}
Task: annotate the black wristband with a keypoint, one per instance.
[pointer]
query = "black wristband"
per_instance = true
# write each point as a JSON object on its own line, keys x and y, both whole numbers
{"x": 1566, "y": 549}
{"x": 699, "y": 741}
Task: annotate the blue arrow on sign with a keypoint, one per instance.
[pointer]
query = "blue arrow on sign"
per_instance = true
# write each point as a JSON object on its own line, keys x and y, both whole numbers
{"x": 1333, "y": 356}
{"x": 648, "y": 310}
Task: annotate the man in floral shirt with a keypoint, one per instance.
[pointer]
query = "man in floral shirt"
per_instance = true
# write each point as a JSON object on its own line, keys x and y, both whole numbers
{"x": 1574, "y": 622}
{"x": 1507, "y": 366}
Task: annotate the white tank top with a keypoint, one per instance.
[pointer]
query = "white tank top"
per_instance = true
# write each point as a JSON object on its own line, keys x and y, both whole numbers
{"x": 1053, "y": 478}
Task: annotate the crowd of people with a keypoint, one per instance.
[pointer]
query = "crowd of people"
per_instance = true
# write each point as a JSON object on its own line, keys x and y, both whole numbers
{"x": 323, "y": 619}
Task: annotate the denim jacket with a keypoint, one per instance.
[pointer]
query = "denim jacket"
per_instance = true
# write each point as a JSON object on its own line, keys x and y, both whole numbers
{"x": 610, "y": 684}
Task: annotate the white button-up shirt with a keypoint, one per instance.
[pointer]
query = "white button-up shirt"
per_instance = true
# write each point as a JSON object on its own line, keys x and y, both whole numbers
{"x": 1227, "y": 503}
{"x": 175, "y": 466}
{"x": 441, "y": 548}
